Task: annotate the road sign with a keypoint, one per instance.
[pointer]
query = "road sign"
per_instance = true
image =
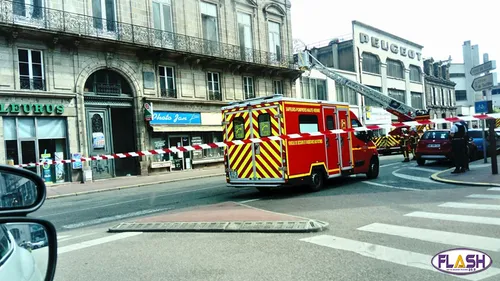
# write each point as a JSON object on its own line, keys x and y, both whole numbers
{"x": 484, "y": 82}
{"x": 484, "y": 106}
{"x": 485, "y": 67}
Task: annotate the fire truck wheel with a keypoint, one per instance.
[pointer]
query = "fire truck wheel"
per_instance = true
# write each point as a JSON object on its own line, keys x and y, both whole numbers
{"x": 373, "y": 171}
{"x": 317, "y": 180}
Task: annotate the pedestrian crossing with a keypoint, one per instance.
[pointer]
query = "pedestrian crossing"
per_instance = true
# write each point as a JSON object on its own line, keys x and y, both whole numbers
{"x": 78, "y": 241}
{"x": 448, "y": 219}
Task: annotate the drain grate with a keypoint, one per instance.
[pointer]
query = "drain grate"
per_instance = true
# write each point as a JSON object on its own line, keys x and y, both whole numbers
{"x": 236, "y": 226}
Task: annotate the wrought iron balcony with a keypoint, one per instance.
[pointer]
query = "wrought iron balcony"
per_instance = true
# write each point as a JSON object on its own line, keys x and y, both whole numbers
{"x": 52, "y": 20}
{"x": 168, "y": 93}
{"x": 215, "y": 96}
{"x": 37, "y": 84}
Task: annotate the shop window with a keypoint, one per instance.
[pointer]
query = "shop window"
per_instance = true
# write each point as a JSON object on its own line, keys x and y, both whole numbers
{"x": 330, "y": 123}
{"x": 208, "y": 154}
{"x": 239, "y": 128}
{"x": 264, "y": 125}
{"x": 308, "y": 123}
{"x": 29, "y": 140}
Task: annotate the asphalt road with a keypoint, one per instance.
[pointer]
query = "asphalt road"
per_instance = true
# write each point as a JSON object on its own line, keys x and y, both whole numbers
{"x": 384, "y": 229}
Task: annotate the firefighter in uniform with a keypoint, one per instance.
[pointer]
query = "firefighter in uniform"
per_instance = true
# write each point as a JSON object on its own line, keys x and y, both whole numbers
{"x": 404, "y": 144}
{"x": 413, "y": 139}
{"x": 457, "y": 134}
{"x": 466, "y": 143}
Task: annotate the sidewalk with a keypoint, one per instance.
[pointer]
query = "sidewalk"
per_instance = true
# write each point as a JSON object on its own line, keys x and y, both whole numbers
{"x": 479, "y": 175}
{"x": 77, "y": 188}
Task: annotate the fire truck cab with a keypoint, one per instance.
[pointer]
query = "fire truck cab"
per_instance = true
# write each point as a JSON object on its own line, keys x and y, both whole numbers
{"x": 289, "y": 161}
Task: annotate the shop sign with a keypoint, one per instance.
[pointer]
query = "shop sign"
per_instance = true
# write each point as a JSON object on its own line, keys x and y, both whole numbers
{"x": 176, "y": 118}
{"x": 148, "y": 111}
{"x": 27, "y": 108}
{"x": 386, "y": 46}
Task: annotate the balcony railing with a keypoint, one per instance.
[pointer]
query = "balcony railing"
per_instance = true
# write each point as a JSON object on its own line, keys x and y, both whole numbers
{"x": 168, "y": 93}
{"x": 26, "y": 83}
{"x": 40, "y": 18}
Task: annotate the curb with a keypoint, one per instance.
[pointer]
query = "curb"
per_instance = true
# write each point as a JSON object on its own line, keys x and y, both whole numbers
{"x": 130, "y": 186}
{"x": 304, "y": 226}
{"x": 436, "y": 177}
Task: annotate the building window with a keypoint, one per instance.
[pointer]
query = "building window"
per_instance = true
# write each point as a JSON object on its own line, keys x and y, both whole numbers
{"x": 248, "y": 87}
{"x": 415, "y": 74}
{"x": 450, "y": 98}
{"x": 32, "y": 139}
{"x": 209, "y": 21}
{"x": 345, "y": 94}
{"x": 162, "y": 15}
{"x": 213, "y": 84}
{"x": 264, "y": 125}
{"x": 370, "y": 102}
{"x": 460, "y": 95}
{"x": 308, "y": 123}
{"x": 416, "y": 100}
{"x": 278, "y": 87}
{"x": 371, "y": 63}
{"x": 443, "y": 101}
{"x": 395, "y": 69}
{"x": 434, "y": 97}
{"x": 245, "y": 35}
{"x": 238, "y": 128}
{"x": 398, "y": 95}
{"x": 274, "y": 39}
{"x": 31, "y": 72}
{"x": 167, "y": 82}
{"x": 104, "y": 13}
{"x": 457, "y": 75}
{"x": 31, "y": 9}
{"x": 313, "y": 88}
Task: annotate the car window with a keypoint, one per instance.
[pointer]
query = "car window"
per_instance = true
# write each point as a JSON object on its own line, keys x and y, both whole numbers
{"x": 5, "y": 243}
{"x": 435, "y": 135}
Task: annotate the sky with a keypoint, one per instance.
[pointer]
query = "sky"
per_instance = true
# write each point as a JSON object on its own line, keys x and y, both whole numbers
{"x": 441, "y": 26}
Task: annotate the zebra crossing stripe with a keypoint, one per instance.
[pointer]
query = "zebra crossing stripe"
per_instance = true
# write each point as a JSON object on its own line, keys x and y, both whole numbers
{"x": 459, "y": 205}
{"x": 436, "y": 236}
{"x": 393, "y": 255}
{"x": 458, "y": 218}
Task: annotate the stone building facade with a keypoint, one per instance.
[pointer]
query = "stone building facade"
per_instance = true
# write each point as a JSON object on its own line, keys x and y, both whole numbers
{"x": 80, "y": 74}
{"x": 439, "y": 90}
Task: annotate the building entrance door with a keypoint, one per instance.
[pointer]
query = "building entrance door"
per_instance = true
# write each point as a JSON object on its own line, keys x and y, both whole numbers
{"x": 99, "y": 135}
{"x": 181, "y": 160}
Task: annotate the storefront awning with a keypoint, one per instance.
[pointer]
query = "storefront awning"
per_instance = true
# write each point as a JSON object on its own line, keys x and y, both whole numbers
{"x": 187, "y": 128}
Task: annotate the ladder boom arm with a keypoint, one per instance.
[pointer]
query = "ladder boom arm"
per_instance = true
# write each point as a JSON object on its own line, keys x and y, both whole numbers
{"x": 403, "y": 111}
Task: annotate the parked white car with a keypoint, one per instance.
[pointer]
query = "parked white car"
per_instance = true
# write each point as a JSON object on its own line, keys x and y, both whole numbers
{"x": 16, "y": 263}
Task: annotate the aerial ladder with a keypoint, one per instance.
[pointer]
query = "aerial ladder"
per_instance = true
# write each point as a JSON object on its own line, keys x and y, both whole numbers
{"x": 404, "y": 113}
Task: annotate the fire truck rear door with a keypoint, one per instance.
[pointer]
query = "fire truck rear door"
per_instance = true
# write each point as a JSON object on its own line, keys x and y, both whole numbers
{"x": 268, "y": 162}
{"x": 239, "y": 157}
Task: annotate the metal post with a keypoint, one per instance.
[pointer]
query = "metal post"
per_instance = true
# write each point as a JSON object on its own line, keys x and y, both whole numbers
{"x": 485, "y": 153}
{"x": 493, "y": 146}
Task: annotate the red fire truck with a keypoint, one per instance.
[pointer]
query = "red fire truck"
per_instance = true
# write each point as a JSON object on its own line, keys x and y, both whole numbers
{"x": 303, "y": 161}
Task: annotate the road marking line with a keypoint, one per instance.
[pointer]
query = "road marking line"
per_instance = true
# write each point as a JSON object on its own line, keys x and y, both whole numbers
{"x": 388, "y": 165}
{"x": 470, "y": 206}
{"x": 248, "y": 201}
{"x": 393, "y": 187}
{"x": 424, "y": 169}
{"x": 436, "y": 236}
{"x": 393, "y": 255}
{"x": 130, "y": 201}
{"x": 95, "y": 242}
{"x": 494, "y": 189}
{"x": 62, "y": 236}
{"x": 75, "y": 237}
{"x": 113, "y": 218}
{"x": 414, "y": 178}
{"x": 484, "y": 196}
{"x": 459, "y": 218}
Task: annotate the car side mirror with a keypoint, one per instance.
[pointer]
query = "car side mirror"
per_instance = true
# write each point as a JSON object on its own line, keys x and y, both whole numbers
{"x": 28, "y": 245}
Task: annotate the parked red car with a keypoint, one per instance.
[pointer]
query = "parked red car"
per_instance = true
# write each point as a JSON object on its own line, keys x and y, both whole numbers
{"x": 436, "y": 145}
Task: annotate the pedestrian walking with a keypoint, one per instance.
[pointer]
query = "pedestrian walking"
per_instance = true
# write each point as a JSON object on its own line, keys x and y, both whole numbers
{"x": 457, "y": 134}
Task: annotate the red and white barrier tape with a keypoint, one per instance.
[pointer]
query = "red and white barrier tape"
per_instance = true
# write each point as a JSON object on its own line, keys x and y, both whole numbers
{"x": 264, "y": 139}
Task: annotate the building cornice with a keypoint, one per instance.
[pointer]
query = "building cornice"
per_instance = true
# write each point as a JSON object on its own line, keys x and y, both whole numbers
{"x": 436, "y": 80}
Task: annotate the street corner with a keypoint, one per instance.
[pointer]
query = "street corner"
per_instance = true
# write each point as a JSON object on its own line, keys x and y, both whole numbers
{"x": 222, "y": 217}
{"x": 460, "y": 179}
